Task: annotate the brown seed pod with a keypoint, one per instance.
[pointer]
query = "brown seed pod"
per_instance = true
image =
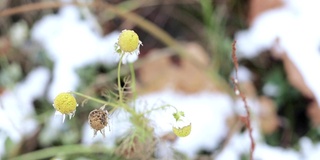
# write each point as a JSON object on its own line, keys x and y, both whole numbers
{"x": 98, "y": 120}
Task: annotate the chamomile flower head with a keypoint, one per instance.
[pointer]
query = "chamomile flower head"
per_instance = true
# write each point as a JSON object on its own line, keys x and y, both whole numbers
{"x": 98, "y": 120}
{"x": 182, "y": 126}
{"x": 65, "y": 104}
{"x": 128, "y": 42}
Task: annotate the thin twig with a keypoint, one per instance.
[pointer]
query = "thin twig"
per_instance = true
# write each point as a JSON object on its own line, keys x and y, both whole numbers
{"x": 234, "y": 58}
{"x": 243, "y": 97}
{"x": 31, "y": 7}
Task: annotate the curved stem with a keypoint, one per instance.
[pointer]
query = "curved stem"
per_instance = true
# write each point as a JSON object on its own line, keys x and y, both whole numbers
{"x": 113, "y": 105}
{"x": 95, "y": 99}
{"x": 119, "y": 80}
{"x": 158, "y": 108}
{"x": 62, "y": 150}
{"x": 174, "y": 108}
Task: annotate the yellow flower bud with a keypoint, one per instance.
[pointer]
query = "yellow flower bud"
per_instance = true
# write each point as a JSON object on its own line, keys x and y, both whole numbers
{"x": 128, "y": 41}
{"x": 65, "y": 104}
{"x": 182, "y": 127}
{"x": 182, "y": 132}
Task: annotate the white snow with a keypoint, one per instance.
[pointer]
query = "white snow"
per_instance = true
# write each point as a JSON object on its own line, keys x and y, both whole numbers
{"x": 297, "y": 29}
{"x": 206, "y": 111}
{"x": 16, "y": 107}
{"x": 72, "y": 42}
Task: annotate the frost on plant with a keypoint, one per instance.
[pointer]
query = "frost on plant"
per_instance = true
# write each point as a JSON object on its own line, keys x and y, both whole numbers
{"x": 65, "y": 104}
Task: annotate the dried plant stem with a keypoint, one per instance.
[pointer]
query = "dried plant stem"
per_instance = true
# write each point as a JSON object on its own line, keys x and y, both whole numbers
{"x": 237, "y": 90}
{"x": 31, "y": 7}
{"x": 248, "y": 124}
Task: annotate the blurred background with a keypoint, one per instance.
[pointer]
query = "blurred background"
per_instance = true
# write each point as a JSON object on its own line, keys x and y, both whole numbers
{"x": 48, "y": 47}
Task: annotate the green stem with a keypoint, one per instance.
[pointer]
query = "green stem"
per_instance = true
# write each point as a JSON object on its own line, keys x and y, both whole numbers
{"x": 113, "y": 105}
{"x": 158, "y": 108}
{"x": 96, "y": 99}
{"x": 112, "y": 110}
{"x": 119, "y": 80}
{"x": 174, "y": 108}
{"x": 62, "y": 150}
{"x": 133, "y": 81}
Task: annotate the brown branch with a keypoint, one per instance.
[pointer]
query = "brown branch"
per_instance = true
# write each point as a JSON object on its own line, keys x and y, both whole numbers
{"x": 31, "y": 7}
{"x": 234, "y": 58}
{"x": 244, "y": 100}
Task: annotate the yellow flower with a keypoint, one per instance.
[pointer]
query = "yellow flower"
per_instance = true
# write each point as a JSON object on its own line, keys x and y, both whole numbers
{"x": 128, "y": 42}
{"x": 182, "y": 126}
{"x": 98, "y": 120}
{"x": 65, "y": 104}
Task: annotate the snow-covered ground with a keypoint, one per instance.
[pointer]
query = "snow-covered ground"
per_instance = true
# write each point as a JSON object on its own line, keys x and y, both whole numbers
{"x": 16, "y": 107}
{"x": 294, "y": 30}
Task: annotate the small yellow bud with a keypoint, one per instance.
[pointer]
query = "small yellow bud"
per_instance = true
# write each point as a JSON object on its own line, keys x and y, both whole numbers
{"x": 128, "y": 46}
{"x": 65, "y": 104}
{"x": 182, "y": 132}
{"x": 182, "y": 126}
{"x": 128, "y": 41}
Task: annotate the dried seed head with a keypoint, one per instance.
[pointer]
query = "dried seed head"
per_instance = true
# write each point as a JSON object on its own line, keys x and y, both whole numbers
{"x": 98, "y": 120}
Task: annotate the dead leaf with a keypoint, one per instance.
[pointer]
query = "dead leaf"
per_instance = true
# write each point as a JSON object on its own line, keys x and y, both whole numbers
{"x": 256, "y": 7}
{"x": 164, "y": 69}
{"x": 295, "y": 78}
{"x": 313, "y": 111}
{"x": 269, "y": 120}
